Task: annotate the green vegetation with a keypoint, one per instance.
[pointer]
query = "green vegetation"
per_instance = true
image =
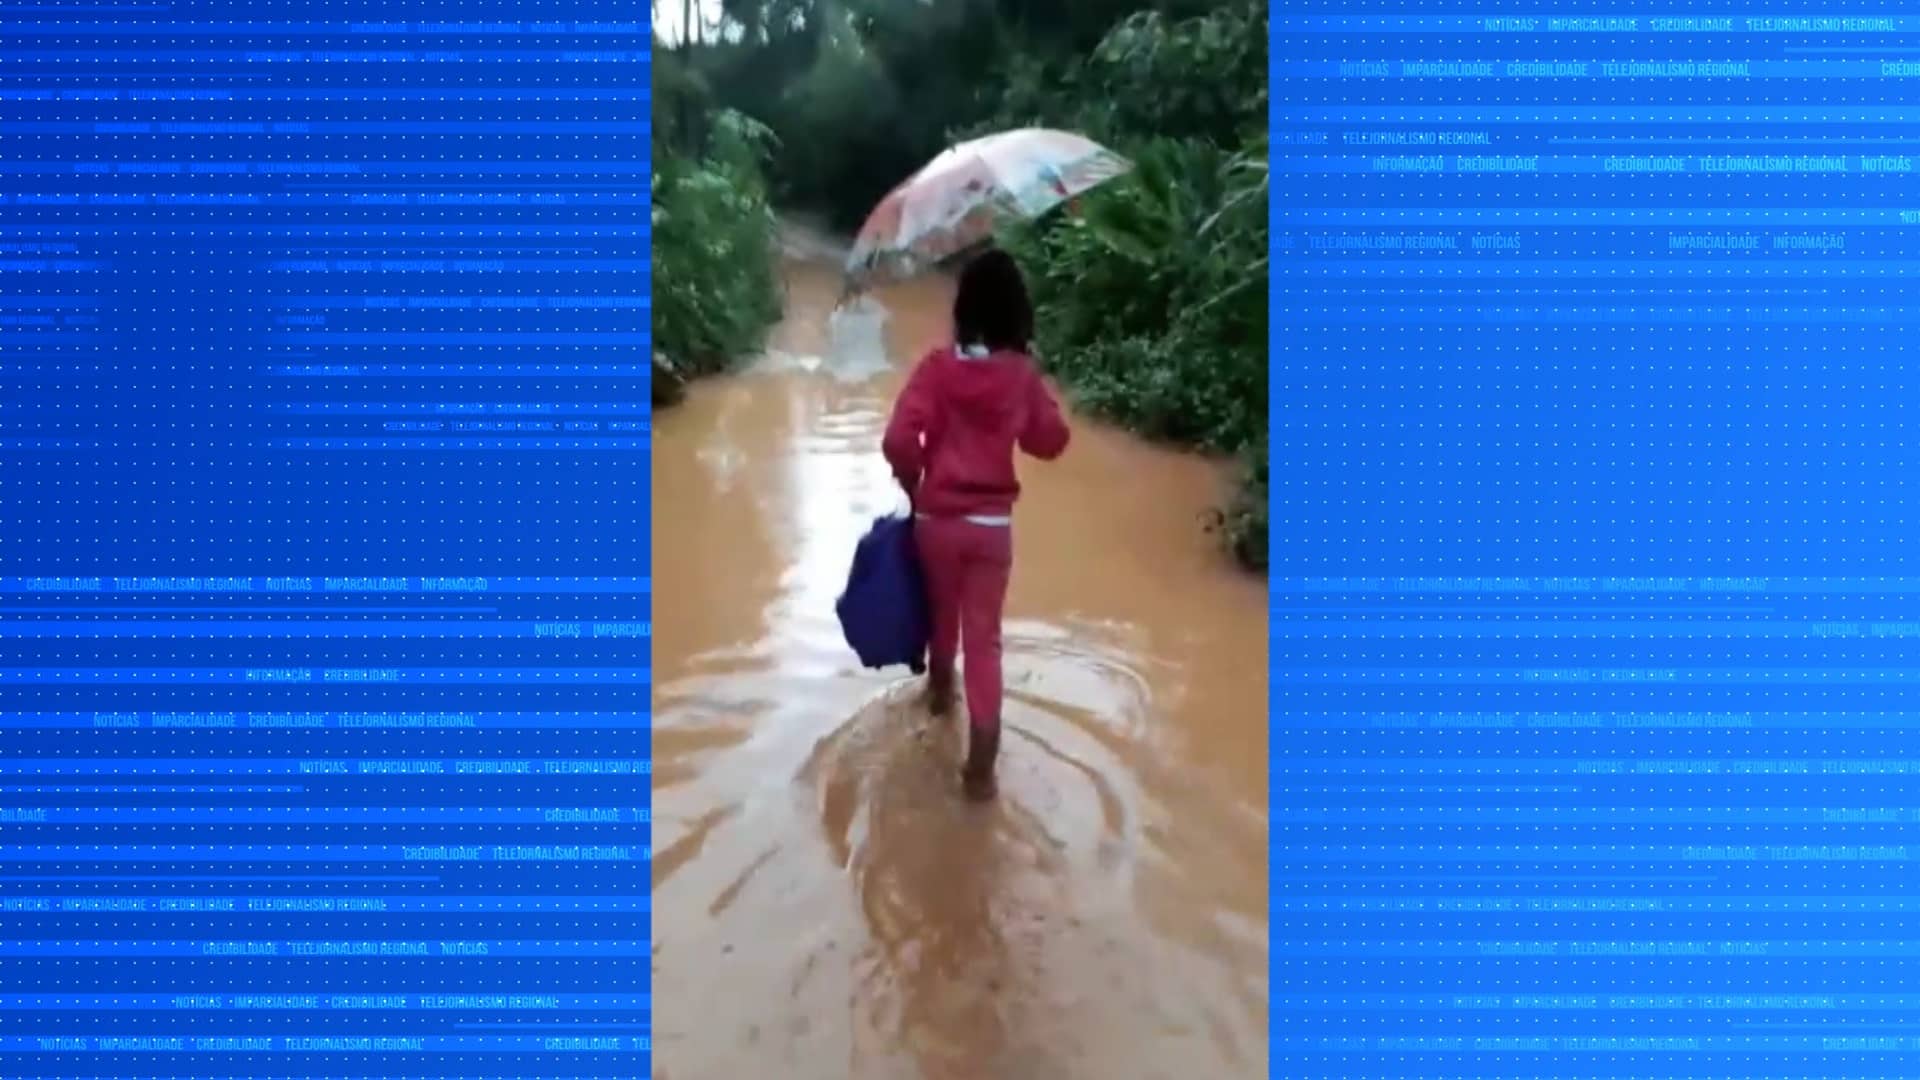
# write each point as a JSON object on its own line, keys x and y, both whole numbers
{"x": 715, "y": 289}
{"x": 1152, "y": 297}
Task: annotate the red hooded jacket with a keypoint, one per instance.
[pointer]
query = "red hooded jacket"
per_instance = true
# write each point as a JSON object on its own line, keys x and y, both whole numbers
{"x": 955, "y": 426}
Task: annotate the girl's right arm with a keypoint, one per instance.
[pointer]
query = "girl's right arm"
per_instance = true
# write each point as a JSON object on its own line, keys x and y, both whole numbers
{"x": 902, "y": 444}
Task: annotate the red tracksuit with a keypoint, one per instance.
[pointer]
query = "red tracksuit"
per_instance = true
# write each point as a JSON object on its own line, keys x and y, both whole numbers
{"x": 950, "y": 443}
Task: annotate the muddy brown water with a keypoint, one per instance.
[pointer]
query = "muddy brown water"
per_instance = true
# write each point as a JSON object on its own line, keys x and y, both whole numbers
{"x": 826, "y": 905}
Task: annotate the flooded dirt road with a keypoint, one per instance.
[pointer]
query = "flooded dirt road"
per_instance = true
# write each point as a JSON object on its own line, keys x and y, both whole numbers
{"x": 826, "y": 904}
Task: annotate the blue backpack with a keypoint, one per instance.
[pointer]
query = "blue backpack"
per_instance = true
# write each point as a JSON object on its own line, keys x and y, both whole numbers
{"x": 883, "y": 611}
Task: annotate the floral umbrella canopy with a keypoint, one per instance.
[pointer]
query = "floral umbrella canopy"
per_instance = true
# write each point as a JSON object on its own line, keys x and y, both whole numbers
{"x": 955, "y": 200}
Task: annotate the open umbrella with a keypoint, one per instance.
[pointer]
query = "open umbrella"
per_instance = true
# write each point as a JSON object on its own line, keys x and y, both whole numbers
{"x": 954, "y": 201}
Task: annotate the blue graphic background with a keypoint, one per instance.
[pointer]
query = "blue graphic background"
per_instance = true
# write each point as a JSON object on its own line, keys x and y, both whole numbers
{"x": 1593, "y": 466}
{"x": 323, "y": 540}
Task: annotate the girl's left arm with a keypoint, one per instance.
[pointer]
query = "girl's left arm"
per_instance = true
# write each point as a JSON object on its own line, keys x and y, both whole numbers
{"x": 1045, "y": 436}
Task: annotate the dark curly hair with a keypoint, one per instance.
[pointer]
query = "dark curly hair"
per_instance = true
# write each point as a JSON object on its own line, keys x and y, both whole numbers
{"x": 992, "y": 307}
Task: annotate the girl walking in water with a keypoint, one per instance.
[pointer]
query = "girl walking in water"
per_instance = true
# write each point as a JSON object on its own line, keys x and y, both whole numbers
{"x": 951, "y": 443}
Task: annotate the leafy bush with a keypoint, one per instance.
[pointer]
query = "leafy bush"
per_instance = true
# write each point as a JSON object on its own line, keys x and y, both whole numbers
{"x": 715, "y": 288}
{"x": 1153, "y": 308}
{"x": 1151, "y": 301}
{"x": 1244, "y": 521}
{"x": 1205, "y": 77}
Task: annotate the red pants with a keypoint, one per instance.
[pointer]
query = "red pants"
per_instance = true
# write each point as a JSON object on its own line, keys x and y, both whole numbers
{"x": 967, "y": 568}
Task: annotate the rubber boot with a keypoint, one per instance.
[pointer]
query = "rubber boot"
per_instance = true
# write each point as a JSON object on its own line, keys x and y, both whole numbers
{"x": 976, "y": 777}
